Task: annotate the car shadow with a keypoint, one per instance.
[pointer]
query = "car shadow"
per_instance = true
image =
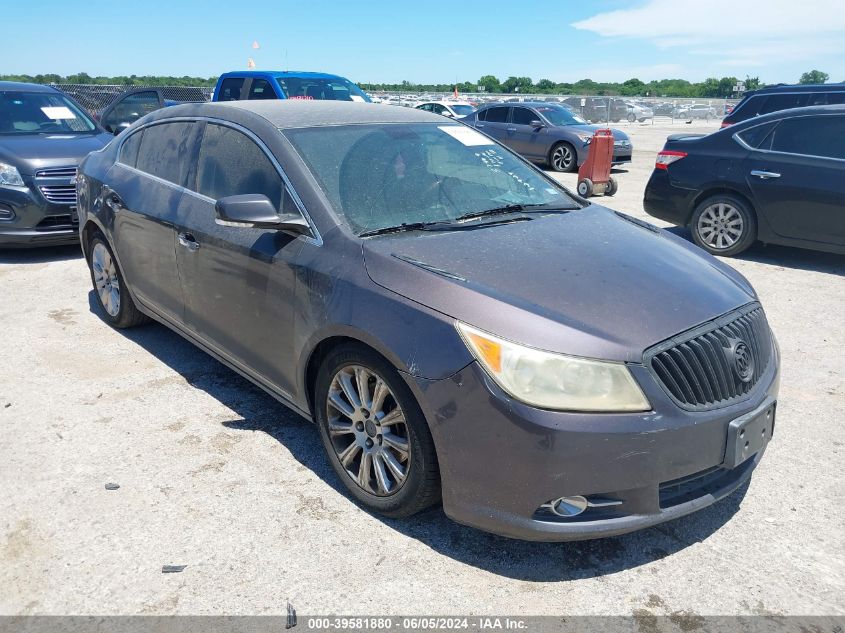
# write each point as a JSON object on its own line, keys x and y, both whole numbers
{"x": 256, "y": 411}
{"x": 40, "y": 254}
{"x": 784, "y": 256}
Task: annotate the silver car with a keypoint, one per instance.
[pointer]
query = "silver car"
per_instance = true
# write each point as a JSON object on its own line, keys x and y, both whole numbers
{"x": 546, "y": 133}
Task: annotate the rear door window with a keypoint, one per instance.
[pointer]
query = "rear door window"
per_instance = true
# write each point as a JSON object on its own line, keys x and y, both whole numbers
{"x": 811, "y": 136}
{"x": 777, "y": 102}
{"x": 230, "y": 164}
{"x": 129, "y": 149}
{"x": 165, "y": 152}
{"x": 497, "y": 115}
{"x": 755, "y": 136}
{"x": 230, "y": 89}
{"x": 132, "y": 107}
{"x": 261, "y": 89}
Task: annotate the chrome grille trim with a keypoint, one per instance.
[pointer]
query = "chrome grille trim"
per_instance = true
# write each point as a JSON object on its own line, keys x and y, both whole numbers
{"x": 696, "y": 369}
{"x": 59, "y": 194}
{"x": 57, "y": 172}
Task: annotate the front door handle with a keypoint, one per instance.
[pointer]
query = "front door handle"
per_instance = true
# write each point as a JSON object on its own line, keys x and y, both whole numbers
{"x": 764, "y": 175}
{"x": 479, "y": 125}
{"x": 511, "y": 130}
{"x": 188, "y": 241}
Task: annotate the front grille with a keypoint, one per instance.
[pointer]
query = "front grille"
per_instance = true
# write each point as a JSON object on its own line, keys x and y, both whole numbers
{"x": 715, "y": 364}
{"x": 59, "y": 194}
{"x": 58, "y": 172}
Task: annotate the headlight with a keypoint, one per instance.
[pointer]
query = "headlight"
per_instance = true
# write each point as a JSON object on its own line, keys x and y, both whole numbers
{"x": 554, "y": 381}
{"x": 586, "y": 138}
{"x": 9, "y": 175}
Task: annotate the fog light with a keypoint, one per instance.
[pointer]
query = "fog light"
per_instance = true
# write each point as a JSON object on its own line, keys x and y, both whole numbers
{"x": 569, "y": 506}
{"x": 6, "y": 213}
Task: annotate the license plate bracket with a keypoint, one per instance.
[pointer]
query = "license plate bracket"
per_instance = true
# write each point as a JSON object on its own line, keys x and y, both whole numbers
{"x": 749, "y": 433}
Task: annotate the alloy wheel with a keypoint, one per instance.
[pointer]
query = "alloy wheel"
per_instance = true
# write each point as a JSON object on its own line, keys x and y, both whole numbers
{"x": 720, "y": 226}
{"x": 562, "y": 158}
{"x": 105, "y": 279}
{"x": 368, "y": 430}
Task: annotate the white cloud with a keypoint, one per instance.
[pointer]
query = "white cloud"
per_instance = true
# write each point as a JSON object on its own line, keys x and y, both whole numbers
{"x": 745, "y": 33}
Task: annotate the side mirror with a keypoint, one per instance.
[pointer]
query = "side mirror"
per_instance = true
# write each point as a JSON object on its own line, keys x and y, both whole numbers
{"x": 536, "y": 123}
{"x": 447, "y": 113}
{"x": 120, "y": 127}
{"x": 255, "y": 211}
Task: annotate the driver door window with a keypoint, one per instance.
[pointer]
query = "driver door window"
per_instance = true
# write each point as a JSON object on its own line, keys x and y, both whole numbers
{"x": 131, "y": 108}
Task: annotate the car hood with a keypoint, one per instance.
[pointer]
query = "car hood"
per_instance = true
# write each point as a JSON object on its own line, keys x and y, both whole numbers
{"x": 590, "y": 283}
{"x": 31, "y": 152}
{"x": 618, "y": 135}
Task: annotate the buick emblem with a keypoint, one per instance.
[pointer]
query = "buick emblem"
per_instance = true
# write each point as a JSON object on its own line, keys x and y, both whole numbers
{"x": 743, "y": 362}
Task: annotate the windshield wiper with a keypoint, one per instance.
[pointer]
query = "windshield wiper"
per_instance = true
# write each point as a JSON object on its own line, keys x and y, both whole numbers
{"x": 399, "y": 228}
{"x": 512, "y": 208}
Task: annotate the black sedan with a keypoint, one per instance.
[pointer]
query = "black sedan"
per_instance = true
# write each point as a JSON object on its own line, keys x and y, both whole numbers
{"x": 778, "y": 178}
{"x": 457, "y": 324}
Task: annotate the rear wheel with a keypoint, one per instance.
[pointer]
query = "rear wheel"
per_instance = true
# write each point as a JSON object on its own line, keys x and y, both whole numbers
{"x": 562, "y": 157}
{"x": 724, "y": 225}
{"x": 631, "y": 117}
{"x": 119, "y": 309}
{"x": 374, "y": 432}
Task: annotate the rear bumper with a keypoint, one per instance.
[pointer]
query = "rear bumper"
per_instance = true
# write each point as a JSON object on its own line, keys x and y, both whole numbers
{"x": 665, "y": 200}
{"x": 35, "y": 221}
{"x": 501, "y": 460}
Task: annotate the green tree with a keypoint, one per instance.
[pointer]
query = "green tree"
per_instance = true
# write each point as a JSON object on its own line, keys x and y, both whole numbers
{"x": 633, "y": 87}
{"x": 814, "y": 77}
{"x": 546, "y": 86}
{"x": 490, "y": 83}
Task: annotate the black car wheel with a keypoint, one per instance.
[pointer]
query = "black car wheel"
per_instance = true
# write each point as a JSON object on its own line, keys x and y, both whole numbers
{"x": 375, "y": 434}
{"x": 563, "y": 157}
{"x": 723, "y": 225}
{"x": 119, "y": 309}
{"x": 631, "y": 117}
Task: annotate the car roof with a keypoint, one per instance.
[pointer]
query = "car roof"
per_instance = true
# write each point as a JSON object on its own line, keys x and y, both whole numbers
{"x": 25, "y": 87}
{"x": 448, "y": 103}
{"x": 797, "y": 88}
{"x": 298, "y": 113}
{"x": 279, "y": 73}
{"x": 789, "y": 114}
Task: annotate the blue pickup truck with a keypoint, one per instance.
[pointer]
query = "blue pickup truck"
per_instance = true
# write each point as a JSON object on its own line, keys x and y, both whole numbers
{"x": 269, "y": 84}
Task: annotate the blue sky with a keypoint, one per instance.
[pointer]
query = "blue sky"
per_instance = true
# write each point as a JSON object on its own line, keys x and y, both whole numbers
{"x": 431, "y": 41}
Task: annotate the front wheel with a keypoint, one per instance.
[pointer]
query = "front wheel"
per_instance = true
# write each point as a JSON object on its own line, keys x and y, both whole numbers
{"x": 563, "y": 158}
{"x": 119, "y": 309}
{"x": 631, "y": 118}
{"x": 375, "y": 434}
{"x": 723, "y": 225}
{"x": 585, "y": 188}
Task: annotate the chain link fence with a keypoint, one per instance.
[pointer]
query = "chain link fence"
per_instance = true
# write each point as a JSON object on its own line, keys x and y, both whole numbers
{"x": 595, "y": 109}
{"x": 96, "y": 97}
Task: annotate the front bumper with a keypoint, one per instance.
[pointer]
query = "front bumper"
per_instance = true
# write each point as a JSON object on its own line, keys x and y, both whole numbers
{"x": 622, "y": 153}
{"x": 35, "y": 221}
{"x": 501, "y": 460}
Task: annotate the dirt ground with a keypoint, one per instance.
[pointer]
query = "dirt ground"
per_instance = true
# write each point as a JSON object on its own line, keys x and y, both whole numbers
{"x": 217, "y": 476}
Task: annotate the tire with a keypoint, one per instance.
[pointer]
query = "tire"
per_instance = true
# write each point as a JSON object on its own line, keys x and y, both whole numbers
{"x": 563, "y": 157}
{"x": 585, "y": 188}
{"x": 343, "y": 425}
{"x": 118, "y": 308}
{"x": 631, "y": 117}
{"x": 724, "y": 225}
{"x": 612, "y": 187}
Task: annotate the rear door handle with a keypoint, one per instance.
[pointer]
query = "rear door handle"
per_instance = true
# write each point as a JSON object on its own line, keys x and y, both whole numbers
{"x": 764, "y": 175}
{"x": 188, "y": 241}
{"x": 511, "y": 129}
{"x": 479, "y": 125}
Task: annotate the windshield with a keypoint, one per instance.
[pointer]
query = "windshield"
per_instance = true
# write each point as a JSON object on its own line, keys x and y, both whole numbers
{"x": 41, "y": 113}
{"x": 462, "y": 110}
{"x": 560, "y": 116}
{"x": 385, "y": 175}
{"x": 334, "y": 89}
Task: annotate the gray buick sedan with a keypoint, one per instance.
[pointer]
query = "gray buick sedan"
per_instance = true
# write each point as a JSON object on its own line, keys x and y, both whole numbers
{"x": 458, "y": 325}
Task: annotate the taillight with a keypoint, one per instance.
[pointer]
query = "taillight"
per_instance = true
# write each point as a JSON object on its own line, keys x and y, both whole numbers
{"x": 667, "y": 157}
{"x": 726, "y": 124}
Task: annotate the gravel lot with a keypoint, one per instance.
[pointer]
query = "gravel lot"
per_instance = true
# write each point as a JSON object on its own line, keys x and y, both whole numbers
{"x": 216, "y": 475}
